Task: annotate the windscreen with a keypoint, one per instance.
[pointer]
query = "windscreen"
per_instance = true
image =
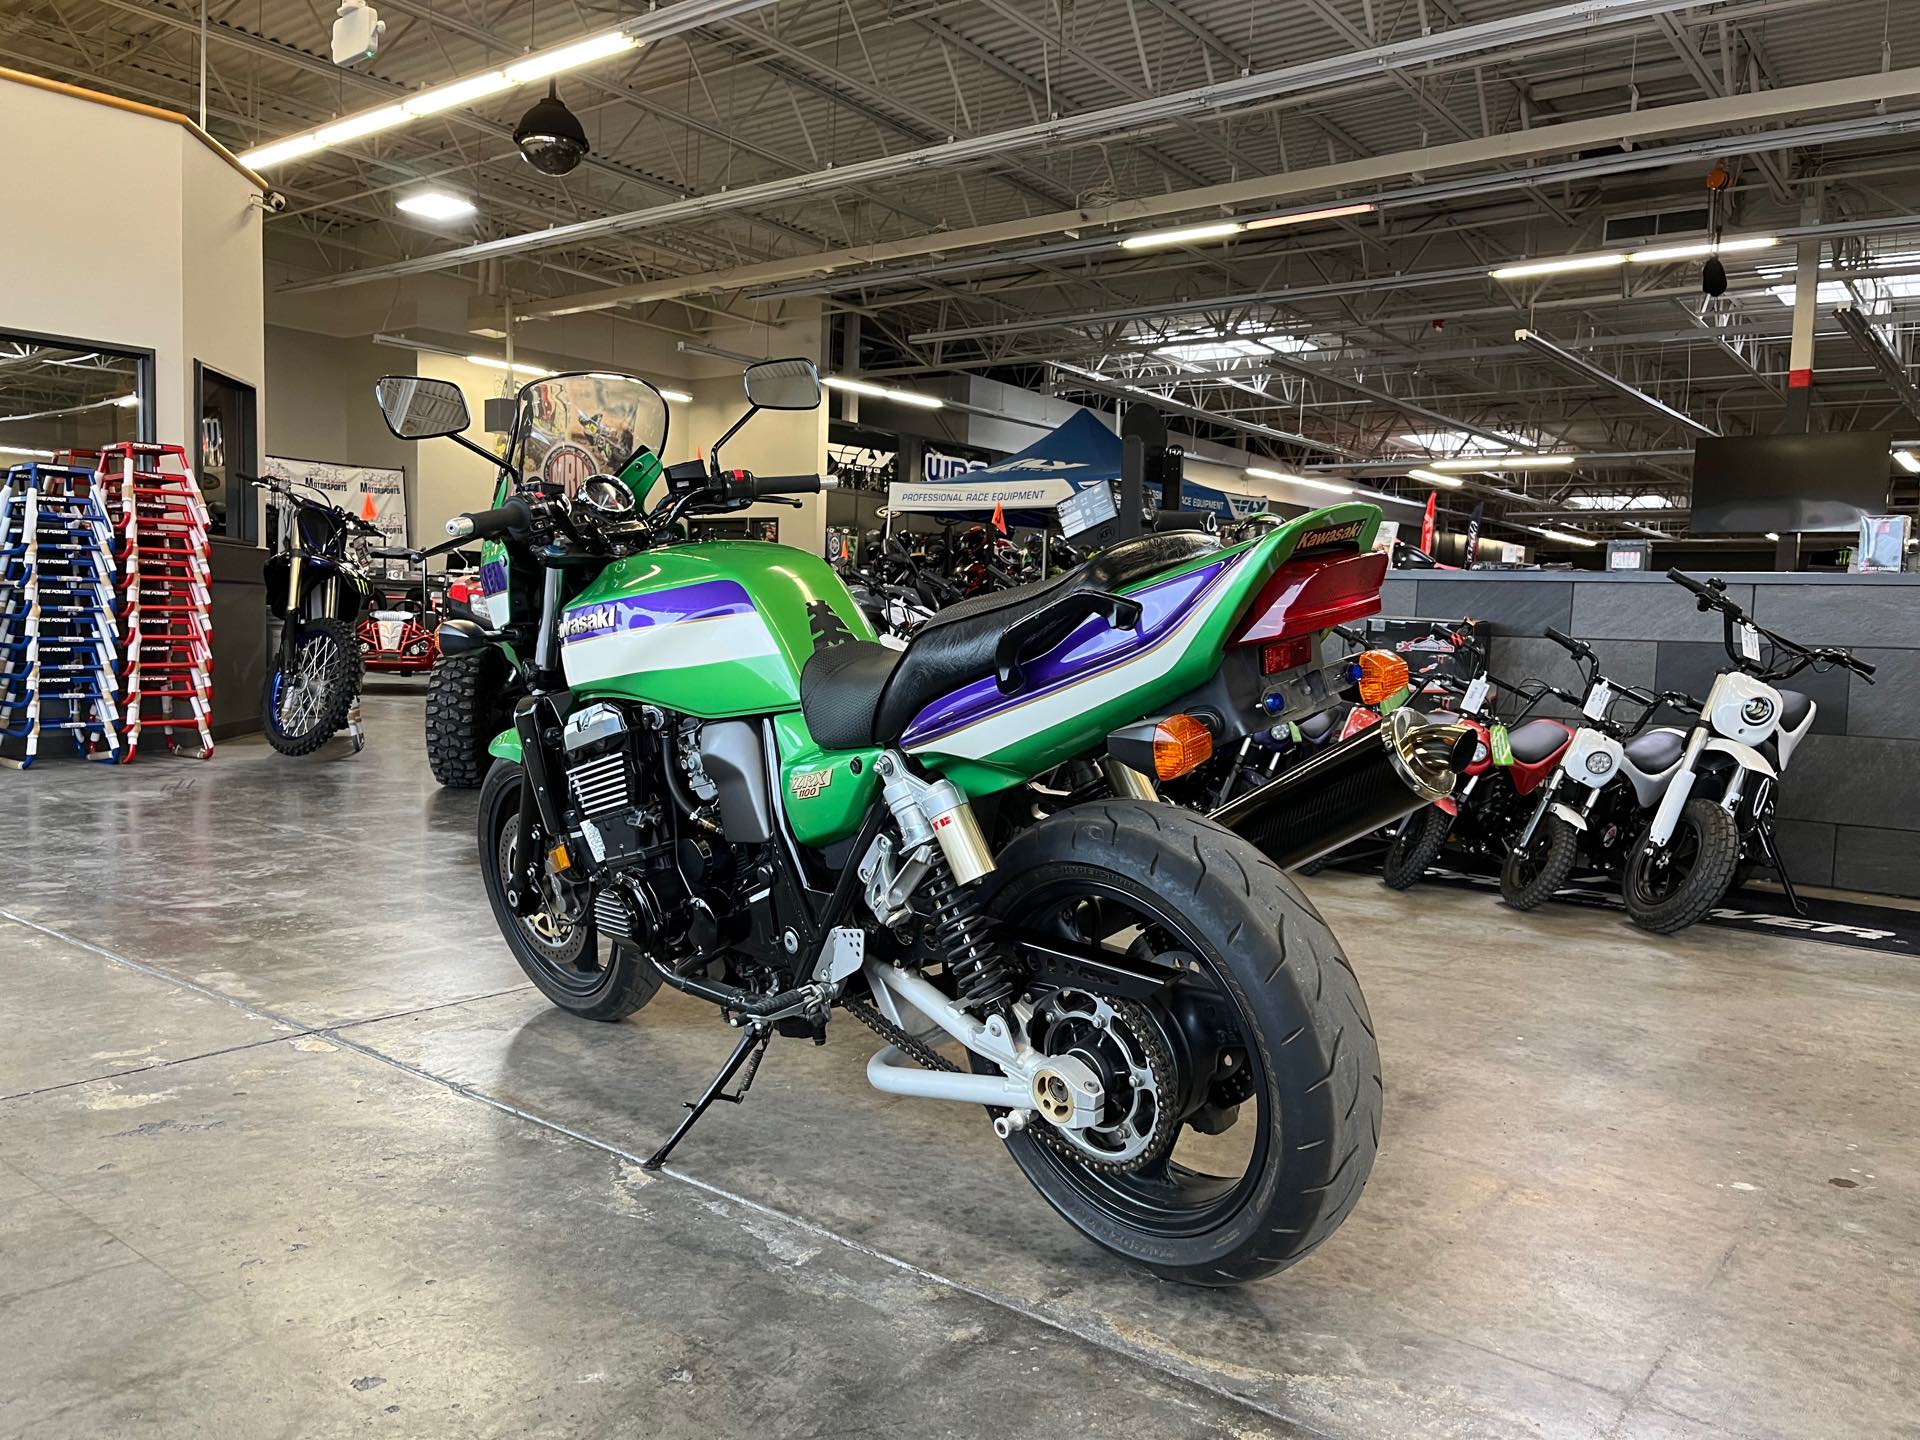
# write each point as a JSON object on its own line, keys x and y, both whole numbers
{"x": 572, "y": 426}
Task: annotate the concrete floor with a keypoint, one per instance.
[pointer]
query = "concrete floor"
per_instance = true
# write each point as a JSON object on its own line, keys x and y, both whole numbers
{"x": 287, "y": 1147}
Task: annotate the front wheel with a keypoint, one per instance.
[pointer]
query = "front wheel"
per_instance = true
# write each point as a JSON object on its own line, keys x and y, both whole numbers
{"x": 310, "y": 690}
{"x": 1244, "y": 1097}
{"x": 561, "y": 955}
{"x": 1416, "y": 845}
{"x": 1669, "y": 888}
{"x": 1532, "y": 876}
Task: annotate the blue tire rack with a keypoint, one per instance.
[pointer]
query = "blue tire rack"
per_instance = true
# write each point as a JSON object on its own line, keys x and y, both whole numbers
{"x": 59, "y": 626}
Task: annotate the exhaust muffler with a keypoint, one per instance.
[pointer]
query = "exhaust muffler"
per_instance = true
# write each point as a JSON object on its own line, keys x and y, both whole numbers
{"x": 1362, "y": 784}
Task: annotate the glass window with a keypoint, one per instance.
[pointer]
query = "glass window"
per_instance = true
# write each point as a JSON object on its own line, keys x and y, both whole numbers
{"x": 60, "y": 396}
{"x": 226, "y": 451}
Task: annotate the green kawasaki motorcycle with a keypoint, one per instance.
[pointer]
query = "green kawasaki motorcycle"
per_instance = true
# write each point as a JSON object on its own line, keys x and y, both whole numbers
{"x": 718, "y": 780}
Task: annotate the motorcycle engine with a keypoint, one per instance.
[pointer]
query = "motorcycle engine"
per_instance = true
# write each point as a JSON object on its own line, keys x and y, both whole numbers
{"x": 607, "y": 806}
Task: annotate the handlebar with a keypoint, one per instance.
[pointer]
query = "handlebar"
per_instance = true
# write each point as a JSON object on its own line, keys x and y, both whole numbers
{"x": 740, "y": 485}
{"x": 1712, "y": 596}
{"x": 1579, "y": 649}
{"x": 479, "y": 524}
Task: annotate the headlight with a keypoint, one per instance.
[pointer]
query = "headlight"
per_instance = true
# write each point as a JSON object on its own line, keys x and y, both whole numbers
{"x": 1480, "y": 751}
{"x": 1599, "y": 763}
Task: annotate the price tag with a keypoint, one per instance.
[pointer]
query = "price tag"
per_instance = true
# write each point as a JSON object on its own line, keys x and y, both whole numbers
{"x": 1502, "y": 748}
{"x": 1749, "y": 641}
{"x": 1475, "y": 699}
{"x": 1598, "y": 699}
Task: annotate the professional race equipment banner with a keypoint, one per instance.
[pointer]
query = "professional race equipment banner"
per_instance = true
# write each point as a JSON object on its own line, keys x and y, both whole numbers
{"x": 367, "y": 491}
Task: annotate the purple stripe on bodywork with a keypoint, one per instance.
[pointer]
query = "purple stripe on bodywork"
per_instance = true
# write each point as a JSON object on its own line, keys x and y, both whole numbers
{"x": 704, "y": 601}
{"x": 1095, "y": 646}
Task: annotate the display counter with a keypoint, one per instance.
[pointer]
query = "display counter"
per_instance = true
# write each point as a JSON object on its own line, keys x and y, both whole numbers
{"x": 1850, "y": 803}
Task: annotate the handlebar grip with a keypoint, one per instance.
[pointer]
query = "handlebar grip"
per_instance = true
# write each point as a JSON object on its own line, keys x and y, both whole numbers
{"x": 1567, "y": 642}
{"x": 482, "y": 523}
{"x": 787, "y": 485}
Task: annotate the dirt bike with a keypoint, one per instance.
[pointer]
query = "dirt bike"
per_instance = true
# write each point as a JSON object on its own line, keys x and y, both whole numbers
{"x": 1716, "y": 813}
{"x": 719, "y": 781}
{"x": 318, "y": 586}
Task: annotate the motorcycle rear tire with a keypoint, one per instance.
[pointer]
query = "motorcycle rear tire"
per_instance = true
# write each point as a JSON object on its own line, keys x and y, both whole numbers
{"x": 1532, "y": 877}
{"x": 1318, "y": 1064}
{"x": 469, "y": 701}
{"x": 339, "y": 683}
{"x": 1416, "y": 845}
{"x": 1716, "y": 844}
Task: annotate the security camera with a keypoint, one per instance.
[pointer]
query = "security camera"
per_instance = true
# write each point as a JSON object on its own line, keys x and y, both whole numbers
{"x": 356, "y": 34}
{"x": 274, "y": 201}
{"x": 550, "y": 136}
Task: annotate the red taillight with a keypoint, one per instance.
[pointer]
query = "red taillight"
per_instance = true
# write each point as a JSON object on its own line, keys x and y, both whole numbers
{"x": 1288, "y": 654}
{"x": 1304, "y": 596}
{"x": 461, "y": 591}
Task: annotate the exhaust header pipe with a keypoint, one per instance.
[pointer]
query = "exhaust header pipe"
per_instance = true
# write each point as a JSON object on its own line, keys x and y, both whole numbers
{"x": 1364, "y": 783}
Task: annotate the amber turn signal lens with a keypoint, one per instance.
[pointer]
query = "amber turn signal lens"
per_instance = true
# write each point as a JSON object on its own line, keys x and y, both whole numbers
{"x": 1180, "y": 743}
{"x": 558, "y": 860}
{"x": 1382, "y": 676}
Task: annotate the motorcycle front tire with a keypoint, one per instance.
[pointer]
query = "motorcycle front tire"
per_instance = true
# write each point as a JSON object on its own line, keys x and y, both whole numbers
{"x": 1714, "y": 839}
{"x": 1416, "y": 845}
{"x": 1531, "y": 877}
{"x": 337, "y": 676}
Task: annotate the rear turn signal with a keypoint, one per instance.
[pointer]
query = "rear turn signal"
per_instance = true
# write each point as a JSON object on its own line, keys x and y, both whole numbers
{"x": 1381, "y": 675}
{"x": 1180, "y": 743}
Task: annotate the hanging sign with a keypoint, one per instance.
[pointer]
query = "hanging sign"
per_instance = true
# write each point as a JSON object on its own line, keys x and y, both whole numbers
{"x": 354, "y": 488}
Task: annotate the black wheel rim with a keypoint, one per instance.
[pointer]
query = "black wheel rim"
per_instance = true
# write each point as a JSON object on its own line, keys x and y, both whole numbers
{"x": 565, "y": 954}
{"x": 1658, "y": 877}
{"x": 1523, "y": 866}
{"x": 1166, "y": 1196}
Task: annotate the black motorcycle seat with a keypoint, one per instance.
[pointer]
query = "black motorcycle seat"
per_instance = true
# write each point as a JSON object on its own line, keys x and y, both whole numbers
{"x": 1656, "y": 751}
{"x": 1536, "y": 740}
{"x": 862, "y": 693}
{"x": 1794, "y": 709}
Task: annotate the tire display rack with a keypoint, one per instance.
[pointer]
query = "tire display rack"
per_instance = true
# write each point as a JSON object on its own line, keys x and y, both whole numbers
{"x": 59, "y": 630}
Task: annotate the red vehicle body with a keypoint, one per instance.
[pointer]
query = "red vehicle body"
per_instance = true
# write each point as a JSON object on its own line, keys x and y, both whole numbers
{"x": 397, "y": 641}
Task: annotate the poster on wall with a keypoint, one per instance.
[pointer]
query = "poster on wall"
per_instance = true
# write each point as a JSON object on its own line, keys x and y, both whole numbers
{"x": 371, "y": 493}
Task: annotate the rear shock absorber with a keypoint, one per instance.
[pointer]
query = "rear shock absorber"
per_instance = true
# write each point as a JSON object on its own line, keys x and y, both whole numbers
{"x": 981, "y": 975}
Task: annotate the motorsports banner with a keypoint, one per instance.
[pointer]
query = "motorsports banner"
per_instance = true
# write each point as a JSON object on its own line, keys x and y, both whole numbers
{"x": 364, "y": 490}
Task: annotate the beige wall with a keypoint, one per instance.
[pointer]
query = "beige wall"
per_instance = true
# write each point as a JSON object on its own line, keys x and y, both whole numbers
{"x": 129, "y": 232}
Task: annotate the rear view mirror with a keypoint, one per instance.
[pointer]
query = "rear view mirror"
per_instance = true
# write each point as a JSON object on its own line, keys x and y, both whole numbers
{"x": 420, "y": 409}
{"x": 783, "y": 385}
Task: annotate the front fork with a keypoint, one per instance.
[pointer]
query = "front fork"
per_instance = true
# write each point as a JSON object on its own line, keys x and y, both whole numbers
{"x": 1679, "y": 791}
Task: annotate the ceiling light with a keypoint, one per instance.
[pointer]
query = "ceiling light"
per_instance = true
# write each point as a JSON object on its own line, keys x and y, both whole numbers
{"x": 436, "y": 205}
{"x": 1701, "y": 249}
{"x": 514, "y": 366}
{"x": 1773, "y": 534}
{"x": 1153, "y": 239}
{"x": 127, "y": 402}
{"x": 1907, "y": 461}
{"x": 881, "y": 392}
{"x": 31, "y": 454}
{"x": 1507, "y": 462}
{"x": 438, "y": 98}
{"x": 1308, "y": 217}
{"x": 1563, "y": 536}
{"x": 1285, "y": 478}
{"x": 1528, "y": 269}
{"x": 1434, "y": 477}
{"x": 677, "y": 397}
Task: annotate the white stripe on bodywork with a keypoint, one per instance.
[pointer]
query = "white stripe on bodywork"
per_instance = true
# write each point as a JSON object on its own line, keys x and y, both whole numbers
{"x": 677, "y": 645}
{"x": 985, "y": 738}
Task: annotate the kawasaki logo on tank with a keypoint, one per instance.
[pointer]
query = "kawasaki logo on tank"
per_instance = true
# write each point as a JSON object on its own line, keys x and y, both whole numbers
{"x": 673, "y": 629}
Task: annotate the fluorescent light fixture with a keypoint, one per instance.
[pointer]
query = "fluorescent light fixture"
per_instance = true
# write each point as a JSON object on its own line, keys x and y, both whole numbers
{"x": 1507, "y": 462}
{"x": 1154, "y": 239}
{"x": 1526, "y": 270}
{"x": 438, "y": 98}
{"x": 488, "y": 362}
{"x": 30, "y": 454}
{"x": 1773, "y": 534}
{"x": 1285, "y": 478}
{"x": 1214, "y": 350}
{"x": 1434, "y": 477}
{"x": 1562, "y": 535}
{"x": 677, "y": 397}
{"x": 881, "y": 392}
{"x": 1907, "y": 461}
{"x": 127, "y": 402}
{"x": 436, "y": 205}
{"x": 1308, "y": 217}
{"x": 1702, "y": 249}
{"x": 570, "y": 57}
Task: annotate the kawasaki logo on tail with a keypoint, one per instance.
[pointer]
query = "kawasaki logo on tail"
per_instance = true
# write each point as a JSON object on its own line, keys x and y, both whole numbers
{"x": 1331, "y": 535}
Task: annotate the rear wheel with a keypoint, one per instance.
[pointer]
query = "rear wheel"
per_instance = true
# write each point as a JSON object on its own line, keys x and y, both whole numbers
{"x": 1244, "y": 1097}
{"x": 1669, "y": 888}
{"x": 1416, "y": 845}
{"x": 469, "y": 701}
{"x": 560, "y": 955}
{"x": 1531, "y": 876}
{"x": 307, "y": 697}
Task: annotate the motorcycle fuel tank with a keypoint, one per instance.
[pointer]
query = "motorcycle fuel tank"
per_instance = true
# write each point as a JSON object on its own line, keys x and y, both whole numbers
{"x": 710, "y": 630}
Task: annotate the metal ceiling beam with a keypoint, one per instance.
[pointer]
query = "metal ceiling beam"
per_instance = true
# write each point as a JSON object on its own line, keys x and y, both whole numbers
{"x": 1093, "y": 380}
{"x": 1566, "y": 360}
{"x": 1884, "y": 360}
{"x": 1487, "y": 36}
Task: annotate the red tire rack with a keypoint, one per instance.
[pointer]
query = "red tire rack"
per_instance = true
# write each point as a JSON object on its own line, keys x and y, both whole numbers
{"x": 166, "y": 622}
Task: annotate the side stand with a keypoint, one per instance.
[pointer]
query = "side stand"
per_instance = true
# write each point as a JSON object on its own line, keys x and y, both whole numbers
{"x": 1779, "y": 867}
{"x": 752, "y": 1046}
